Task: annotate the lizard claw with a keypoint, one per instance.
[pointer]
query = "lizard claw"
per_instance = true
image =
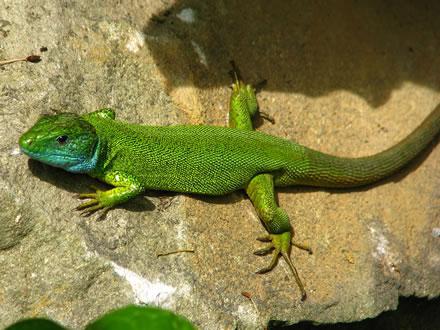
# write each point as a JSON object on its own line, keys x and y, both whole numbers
{"x": 264, "y": 251}
{"x": 272, "y": 264}
{"x": 87, "y": 212}
{"x": 280, "y": 244}
{"x": 102, "y": 212}
{"x": 265, "y": 238}
{"x": 93, "y": 195}
{"x": 93, "y": 205}
{"x": 86, "y": 196}
{"x": 267, "y": 117}
{"x": 90, "y": 207}
{"x": 302, "y": 247}
{"x": 93, "y": 202}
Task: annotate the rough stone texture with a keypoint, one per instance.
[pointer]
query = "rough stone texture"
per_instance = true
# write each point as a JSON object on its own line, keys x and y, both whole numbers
{"x": 346, "y": 78}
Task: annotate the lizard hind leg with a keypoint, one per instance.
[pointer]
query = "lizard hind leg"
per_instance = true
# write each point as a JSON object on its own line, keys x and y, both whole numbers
{"x": 243, "y": 108}
{"x": 261, "y": 192}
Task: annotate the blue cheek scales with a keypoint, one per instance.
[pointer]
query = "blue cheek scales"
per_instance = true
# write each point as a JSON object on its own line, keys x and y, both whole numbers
{"x": 78, "y": 155}
{"x": 85, "y": 165}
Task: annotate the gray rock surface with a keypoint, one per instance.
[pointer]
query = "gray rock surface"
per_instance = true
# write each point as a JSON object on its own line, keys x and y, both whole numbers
{"x": 346, "y": 78}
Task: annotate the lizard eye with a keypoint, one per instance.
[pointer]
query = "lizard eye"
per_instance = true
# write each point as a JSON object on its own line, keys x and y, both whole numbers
{"x": 62, "y": 139}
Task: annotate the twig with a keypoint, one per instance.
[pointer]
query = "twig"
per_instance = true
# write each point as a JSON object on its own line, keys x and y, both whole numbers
{"x": 30, "y": 58}
{"x": 174, "y": 252}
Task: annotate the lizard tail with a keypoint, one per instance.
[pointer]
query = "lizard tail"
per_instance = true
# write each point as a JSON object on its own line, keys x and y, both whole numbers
{"x": 329, "y": 171}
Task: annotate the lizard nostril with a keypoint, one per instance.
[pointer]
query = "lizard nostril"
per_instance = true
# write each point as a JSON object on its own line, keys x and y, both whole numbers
{"x": 25, "y": 142}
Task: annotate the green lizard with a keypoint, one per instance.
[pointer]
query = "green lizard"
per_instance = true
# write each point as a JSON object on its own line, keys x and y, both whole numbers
{"x": 208, "y": 160}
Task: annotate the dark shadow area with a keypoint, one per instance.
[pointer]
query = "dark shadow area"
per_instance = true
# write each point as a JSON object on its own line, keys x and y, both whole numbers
{"x": 81, "y": 183}
{"x": 313, "y": 48}
{"x": 231, "y": 198}
{"x": 412, "y": 314}
{"x": 74, "y": 183}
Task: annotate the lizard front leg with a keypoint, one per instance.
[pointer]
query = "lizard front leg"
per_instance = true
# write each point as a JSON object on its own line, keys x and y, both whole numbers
{"x": 126, "y": 187}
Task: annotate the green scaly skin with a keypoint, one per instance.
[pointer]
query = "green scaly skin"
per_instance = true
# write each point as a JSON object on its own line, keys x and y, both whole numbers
{"x": 208, "y": 160}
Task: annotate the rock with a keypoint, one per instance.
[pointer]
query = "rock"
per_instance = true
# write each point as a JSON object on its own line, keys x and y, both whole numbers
{"x": 16, "y": 218}
{"x": 347, "y": 79}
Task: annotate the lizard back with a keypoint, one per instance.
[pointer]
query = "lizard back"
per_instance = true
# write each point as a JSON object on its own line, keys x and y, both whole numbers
{"x": 194, "y": 159}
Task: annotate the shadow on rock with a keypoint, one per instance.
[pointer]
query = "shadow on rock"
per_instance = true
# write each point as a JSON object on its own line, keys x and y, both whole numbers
{"x": 412, "y": 313}
{"x": 81, "y": 183}
{"x": 313, "y": 48}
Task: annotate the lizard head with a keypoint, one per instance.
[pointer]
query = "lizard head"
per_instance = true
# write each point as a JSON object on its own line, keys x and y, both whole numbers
{"x": 64, "y": 140}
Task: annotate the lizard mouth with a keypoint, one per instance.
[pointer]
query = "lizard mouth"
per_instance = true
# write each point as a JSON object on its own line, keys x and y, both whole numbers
{"x": 54, "y": 159}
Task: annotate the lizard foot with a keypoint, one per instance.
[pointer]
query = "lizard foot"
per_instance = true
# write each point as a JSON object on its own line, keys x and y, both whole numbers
{"x": 95, "y": 203}
{"x": 280, "y": 244}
